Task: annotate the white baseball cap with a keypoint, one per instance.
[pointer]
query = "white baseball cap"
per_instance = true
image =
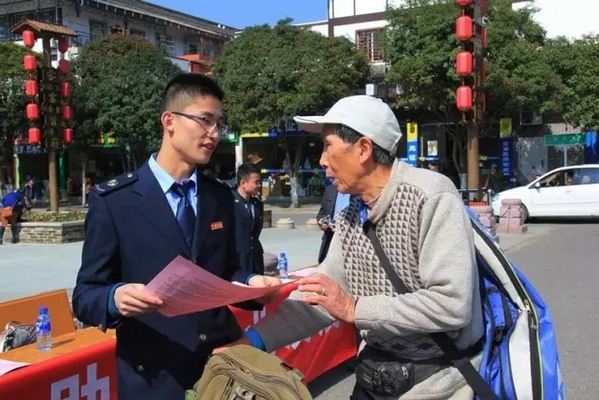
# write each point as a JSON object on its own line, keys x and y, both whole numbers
{"x": 367, "y": 115}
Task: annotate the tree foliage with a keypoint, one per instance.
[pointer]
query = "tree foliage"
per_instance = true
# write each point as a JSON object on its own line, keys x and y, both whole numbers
{"x": 12, "y": 96}
{"x": 120, "y": 83}
{"x": 421, "y": 47}
{"x": 271, "y": 74}
{"x": 579, "y": 63}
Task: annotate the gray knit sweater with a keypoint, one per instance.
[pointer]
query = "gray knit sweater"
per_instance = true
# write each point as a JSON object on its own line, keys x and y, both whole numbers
{"x": 427, "y": 237}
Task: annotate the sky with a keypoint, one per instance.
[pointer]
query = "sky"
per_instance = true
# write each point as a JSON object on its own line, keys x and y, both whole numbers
{"x": 571, "y": 18}
{"x": 243, "y": 13}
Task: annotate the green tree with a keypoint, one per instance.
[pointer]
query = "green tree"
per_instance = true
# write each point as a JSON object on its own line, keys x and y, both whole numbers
{"x": 421, "y": 46}
{"x": 120, "y": 83}
{"x": 271, "y": 74}
{"x": 579, "y": 64}
{"x": 13, "y": 123}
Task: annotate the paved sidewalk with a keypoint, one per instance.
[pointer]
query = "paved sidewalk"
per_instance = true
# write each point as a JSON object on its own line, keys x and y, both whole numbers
{"x": 27, "y": 269}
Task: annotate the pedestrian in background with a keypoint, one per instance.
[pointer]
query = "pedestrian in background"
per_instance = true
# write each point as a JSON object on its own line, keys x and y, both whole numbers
{"x": 332, "y": 203}
{"x": 10, "y": 213}
{"x": 249, "y": 215}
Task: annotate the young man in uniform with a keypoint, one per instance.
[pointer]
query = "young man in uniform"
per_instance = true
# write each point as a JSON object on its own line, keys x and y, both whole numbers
{"x": 137, "y": 224}
{"x": 249, "y": 213}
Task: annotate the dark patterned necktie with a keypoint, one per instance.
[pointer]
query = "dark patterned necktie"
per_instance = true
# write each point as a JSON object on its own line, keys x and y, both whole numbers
{"x": 185, "y": 215}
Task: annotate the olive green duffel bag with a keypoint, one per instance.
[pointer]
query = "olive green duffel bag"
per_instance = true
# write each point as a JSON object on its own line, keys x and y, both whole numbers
{"x": 245, "y": 373}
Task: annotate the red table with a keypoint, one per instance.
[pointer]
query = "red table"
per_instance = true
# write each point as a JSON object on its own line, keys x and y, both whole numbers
{"x": 82, "y": 363}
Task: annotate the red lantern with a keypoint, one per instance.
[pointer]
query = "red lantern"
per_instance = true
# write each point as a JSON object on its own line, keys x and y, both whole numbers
{"x": 464, "y": 98}
{"x": 63, "y": 66}
{"x": 32, "y": 111}
{"x": 63, "y": 44}
{"x": 30, "y": 62}
{"x": 28, "y": 38}
{"x": 65, "y": 89}
{"x": 464, "y": 28}
{"x": 463, "y": 65}
{"x": 66, "y": 113}
{"x": 31, "y": 88}
{"x": 463, "y": 3}
{"x": 35, "y": 135}
{"x": 67, "y": 135}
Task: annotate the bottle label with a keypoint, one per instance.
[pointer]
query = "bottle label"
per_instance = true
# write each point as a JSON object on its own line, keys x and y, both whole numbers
{"x": 44, "y": 327}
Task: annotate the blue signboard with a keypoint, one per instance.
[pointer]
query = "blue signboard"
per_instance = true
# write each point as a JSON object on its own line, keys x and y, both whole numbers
{"x": 507, "y": 156}
{"x": 412, "y": 154}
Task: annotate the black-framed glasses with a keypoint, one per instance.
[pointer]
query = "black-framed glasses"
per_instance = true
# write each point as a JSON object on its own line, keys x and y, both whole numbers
{"x": 206, "y": 123}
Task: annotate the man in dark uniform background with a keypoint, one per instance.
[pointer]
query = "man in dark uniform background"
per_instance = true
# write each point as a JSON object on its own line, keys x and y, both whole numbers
{"x": 332, "y": 203}
{"x": 137, "y": 223}
{"x": 249, "y": 213}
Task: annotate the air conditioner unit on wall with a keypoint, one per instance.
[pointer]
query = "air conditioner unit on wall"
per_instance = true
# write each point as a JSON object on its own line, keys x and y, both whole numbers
{"x": 378, "y": 70}
{"x": 528, "y": 118}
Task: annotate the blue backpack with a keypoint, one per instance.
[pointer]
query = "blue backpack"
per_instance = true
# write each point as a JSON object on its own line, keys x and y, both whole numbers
{"x": 520, "y": 358}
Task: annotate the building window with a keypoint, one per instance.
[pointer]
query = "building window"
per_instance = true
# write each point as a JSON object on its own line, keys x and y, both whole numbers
{"x": 369, "y": 42}
{"x": 4, "y": 29}
{"x": 210, "y": 47}
{"x": 166, "y": 43}
{"x": 97, "y": 29}
{"x": 137, "y": 32}
{"x": 192, "y": 48}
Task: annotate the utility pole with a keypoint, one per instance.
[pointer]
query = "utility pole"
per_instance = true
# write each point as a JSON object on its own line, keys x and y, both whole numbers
{"x": 470, "y": 66}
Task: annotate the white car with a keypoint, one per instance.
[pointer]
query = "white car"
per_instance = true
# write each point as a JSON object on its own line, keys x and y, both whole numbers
{"x": 564, "y": 192}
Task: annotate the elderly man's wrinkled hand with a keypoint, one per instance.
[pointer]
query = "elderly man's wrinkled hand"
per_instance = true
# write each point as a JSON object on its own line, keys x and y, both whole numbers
{"x": 265, "y": 281}
{"x": 328, "y": 294}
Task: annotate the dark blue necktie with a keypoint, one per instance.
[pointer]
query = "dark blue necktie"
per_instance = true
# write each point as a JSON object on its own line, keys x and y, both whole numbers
{"x": 185, "y": 215}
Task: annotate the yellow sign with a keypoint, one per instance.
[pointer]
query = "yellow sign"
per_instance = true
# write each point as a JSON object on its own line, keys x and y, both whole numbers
{"x": 253, "y": 135}
{"x": 505, "y": 127}
{"x": 412, "y": 128}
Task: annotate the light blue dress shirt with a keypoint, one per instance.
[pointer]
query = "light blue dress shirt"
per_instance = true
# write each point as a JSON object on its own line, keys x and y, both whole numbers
{"x": 166, "y": 181}
{"x": 341, "y": 202}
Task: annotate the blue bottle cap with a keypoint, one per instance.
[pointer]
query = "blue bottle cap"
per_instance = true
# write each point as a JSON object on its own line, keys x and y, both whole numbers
{"x": 43, "y": 310}
{"x": 282, "y": 254}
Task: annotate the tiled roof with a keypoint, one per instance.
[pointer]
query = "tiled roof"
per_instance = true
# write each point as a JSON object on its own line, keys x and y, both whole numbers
{"x": 42, "y": 27}
{"x": 144, "y": 7}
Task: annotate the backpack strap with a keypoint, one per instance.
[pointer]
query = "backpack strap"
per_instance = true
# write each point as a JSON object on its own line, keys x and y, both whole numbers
{"x": 445, "y": 343}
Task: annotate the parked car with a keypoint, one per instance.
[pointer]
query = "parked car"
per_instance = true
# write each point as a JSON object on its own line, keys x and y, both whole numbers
{"x": 564, "y": 192}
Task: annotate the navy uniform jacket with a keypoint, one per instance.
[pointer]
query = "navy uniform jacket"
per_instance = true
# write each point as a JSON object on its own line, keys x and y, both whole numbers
{"x": 248, "y": 231}
{"x": 327, "y": 209}
{"x": 131, "y": 235}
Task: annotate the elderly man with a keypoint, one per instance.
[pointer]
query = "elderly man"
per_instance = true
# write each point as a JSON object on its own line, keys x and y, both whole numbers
{"x": 426, "y": 235}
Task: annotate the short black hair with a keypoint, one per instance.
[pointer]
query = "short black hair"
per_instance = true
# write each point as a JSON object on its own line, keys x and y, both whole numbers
{"x": 351, "y": 136}
{"x": 183, "y": 88}
{"x": 245, "y": 170}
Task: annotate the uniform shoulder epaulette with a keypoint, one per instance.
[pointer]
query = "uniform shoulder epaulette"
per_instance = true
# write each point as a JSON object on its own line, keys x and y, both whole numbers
{"x": 114, "y": 184}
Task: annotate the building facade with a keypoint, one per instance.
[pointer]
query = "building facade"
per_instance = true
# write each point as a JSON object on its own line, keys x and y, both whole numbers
{"x": 192, "y": 43}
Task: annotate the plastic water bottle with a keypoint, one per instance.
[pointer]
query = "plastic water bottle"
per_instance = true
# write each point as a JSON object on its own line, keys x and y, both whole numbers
{"x": 283, "y": 266}
{"x": 43, "y": 330}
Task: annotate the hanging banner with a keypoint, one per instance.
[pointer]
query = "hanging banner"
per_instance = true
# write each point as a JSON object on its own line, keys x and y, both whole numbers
{"x": 412, "y": 155}
{"x": 507, "y": 156}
